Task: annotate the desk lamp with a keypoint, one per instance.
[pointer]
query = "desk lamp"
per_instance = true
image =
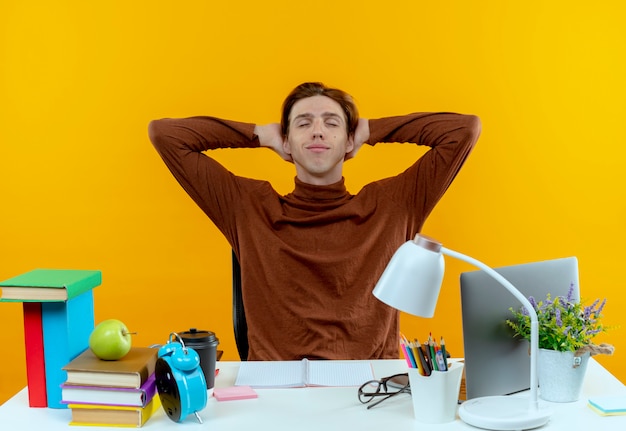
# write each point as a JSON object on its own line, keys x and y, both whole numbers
{"x": 411, "y": 283}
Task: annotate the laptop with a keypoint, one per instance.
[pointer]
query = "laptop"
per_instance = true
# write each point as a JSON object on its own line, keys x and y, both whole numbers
{"x": 496, "y": 363}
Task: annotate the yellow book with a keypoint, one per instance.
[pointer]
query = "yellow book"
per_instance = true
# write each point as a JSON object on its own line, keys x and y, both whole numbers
{"x": 113, "y": 416}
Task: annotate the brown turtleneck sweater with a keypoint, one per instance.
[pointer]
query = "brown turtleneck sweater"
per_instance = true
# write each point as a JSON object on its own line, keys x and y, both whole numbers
{"x": 310, "y": 259}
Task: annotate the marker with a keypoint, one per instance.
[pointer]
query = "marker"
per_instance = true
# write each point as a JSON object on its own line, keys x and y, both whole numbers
{"x": 440, "y": 362}
{"x": 444, "y": 353}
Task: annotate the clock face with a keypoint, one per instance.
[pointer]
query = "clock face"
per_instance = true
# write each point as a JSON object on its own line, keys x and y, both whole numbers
{"x": 168, "y": 390}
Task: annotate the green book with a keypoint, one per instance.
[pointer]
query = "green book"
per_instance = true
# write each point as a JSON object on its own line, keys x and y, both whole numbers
{"x": 44, "y": 285}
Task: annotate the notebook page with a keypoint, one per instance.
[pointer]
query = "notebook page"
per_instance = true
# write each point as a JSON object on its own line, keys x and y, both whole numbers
{"x": 339, "y": 373}
{"x": 270, "y": 374}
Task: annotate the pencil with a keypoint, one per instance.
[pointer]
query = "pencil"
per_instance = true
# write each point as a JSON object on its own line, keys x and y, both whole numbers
{"x": 418, "y": 362}
{"x": 408, "y": 356}
{"x": 431, "y": 350}
{"x": 422, "y": 359}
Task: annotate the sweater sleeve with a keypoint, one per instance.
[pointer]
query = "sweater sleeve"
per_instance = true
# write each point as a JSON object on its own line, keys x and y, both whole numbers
{"x": 199, "y": 134}
{"x": 451, "y": 137}
{"x": 181, "y": 144}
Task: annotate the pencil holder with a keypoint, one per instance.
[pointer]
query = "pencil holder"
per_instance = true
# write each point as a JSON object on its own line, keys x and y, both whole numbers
{"x": 436, "y": 397}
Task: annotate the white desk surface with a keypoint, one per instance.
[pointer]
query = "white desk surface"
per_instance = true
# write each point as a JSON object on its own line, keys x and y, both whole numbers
{"x": 317, "y": 409}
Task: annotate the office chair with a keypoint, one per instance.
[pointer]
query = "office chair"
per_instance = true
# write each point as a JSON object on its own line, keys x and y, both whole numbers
{"x": 240, "y": 325}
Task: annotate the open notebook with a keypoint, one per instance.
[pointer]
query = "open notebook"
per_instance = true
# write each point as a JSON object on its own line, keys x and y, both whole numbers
{"x": 297, "y": 374}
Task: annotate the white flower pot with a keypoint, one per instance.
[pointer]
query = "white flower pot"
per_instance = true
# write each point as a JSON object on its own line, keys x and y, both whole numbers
{"x": 561, "y": 375}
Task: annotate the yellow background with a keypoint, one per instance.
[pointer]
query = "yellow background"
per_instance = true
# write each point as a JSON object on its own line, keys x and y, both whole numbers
{"x": 81, "y": 186}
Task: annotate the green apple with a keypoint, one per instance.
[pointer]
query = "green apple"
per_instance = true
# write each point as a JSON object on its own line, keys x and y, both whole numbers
{"x": 110, "y": 340}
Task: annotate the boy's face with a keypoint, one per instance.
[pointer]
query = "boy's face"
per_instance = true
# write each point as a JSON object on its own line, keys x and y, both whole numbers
{"x": 318, "y": 140}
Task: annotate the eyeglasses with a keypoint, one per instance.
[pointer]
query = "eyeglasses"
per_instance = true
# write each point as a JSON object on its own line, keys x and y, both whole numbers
{"x": 384, "y": 388}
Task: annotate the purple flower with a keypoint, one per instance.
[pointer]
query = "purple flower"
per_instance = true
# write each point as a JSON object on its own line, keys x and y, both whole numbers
{"x": 589, "y": 309}
{"x": 599, "y": 310}
{"x": 570, "y": 292}
{"x": 564, "y": 322}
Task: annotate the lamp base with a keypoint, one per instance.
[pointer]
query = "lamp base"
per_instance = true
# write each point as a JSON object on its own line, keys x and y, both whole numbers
{"x": 504, "y": 413}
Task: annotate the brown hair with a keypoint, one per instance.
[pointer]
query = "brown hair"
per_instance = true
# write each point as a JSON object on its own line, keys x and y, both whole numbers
{"x": 310, "y": 89}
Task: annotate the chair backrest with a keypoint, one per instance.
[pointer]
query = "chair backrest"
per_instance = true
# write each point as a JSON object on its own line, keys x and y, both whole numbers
{"x": 239, "y": 314}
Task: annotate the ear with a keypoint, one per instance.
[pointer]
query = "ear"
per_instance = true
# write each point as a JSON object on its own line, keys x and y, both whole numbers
{"x": 350, "y": 144}
{"x": 286, "y": 146}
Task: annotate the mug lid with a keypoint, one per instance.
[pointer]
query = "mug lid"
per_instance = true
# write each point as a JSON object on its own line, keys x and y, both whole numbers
{"x": 198, "y": 336}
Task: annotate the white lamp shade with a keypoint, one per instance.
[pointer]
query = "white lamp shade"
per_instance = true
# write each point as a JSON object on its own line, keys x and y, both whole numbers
{"x": 412, "y": 280}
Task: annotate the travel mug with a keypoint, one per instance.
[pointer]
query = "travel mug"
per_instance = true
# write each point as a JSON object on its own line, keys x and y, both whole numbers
{"x": 205, "y": 343}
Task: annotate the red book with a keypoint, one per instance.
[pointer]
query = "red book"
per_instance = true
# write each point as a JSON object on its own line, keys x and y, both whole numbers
{"x": 35, "y": 365}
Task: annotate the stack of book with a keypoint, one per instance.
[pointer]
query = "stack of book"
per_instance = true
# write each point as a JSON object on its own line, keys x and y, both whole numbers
{"x": 58, "y": 319}
{"x": 119, "y": 393}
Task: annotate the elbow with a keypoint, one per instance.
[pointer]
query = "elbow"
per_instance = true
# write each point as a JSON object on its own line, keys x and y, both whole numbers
{"x": 155, "y": 130}
{"x": 474, "y": 126}
{"x": 159, "y": 132}
{"x": 471, "y": 130}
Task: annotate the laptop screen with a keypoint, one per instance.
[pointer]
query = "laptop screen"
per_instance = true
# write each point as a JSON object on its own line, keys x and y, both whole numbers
{"x": 496, "y": 363}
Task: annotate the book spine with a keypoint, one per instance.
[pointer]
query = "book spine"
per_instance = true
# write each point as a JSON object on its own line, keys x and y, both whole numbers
{"x": 92, "y": 416}
{"x": 66, "y": 329}
{"x": 149, "y": 389}
{"x": 34, "y": 349}
{"x": 145, "y": 394}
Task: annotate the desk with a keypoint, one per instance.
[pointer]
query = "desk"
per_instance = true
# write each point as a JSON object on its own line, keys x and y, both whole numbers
{"x": 317, "y": 408}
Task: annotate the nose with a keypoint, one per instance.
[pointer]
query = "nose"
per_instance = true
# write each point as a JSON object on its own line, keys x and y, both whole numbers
{"x": 318, "y": 129}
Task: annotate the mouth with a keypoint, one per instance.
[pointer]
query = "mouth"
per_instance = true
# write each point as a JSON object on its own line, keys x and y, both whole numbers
{"x": 317, "y": 148}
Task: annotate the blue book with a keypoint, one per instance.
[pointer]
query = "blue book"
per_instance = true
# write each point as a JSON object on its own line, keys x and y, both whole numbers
{"x": 66, "y": 328}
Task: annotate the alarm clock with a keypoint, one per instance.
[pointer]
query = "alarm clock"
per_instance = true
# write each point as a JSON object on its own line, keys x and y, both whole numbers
{"x": 180, "y": 381}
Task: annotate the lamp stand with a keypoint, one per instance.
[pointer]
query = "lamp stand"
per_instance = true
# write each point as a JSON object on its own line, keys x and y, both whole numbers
{"x": 510, "y": 413}
{"x": 507, "y": 413}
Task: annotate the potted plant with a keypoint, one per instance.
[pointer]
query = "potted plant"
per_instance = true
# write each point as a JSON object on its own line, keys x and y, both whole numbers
{"x": 566, "y": 330}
